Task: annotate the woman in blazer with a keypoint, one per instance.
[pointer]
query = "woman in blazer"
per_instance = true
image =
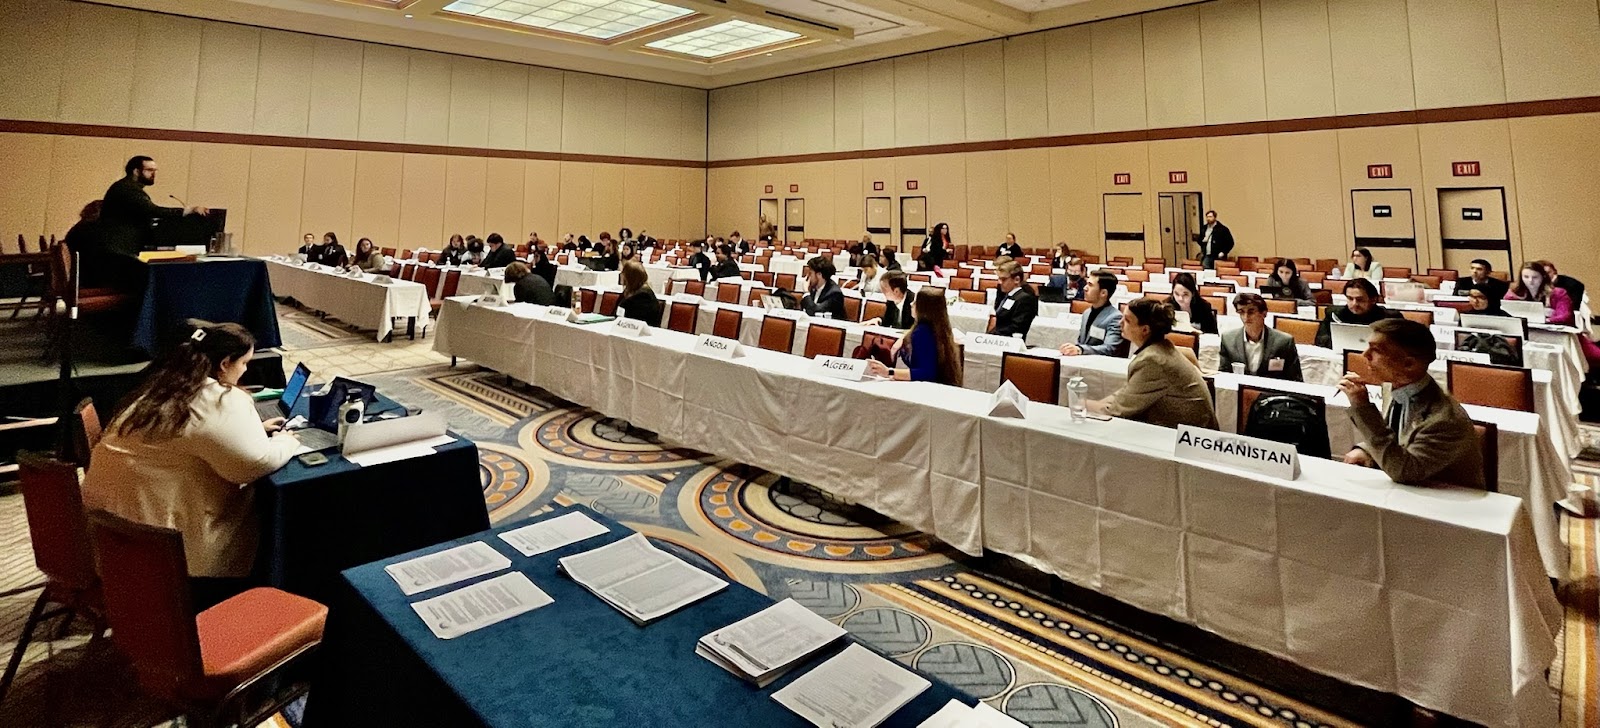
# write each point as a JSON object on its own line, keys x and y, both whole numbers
{"x": 1164, "y": 387}
{"x": 638, "y": 301}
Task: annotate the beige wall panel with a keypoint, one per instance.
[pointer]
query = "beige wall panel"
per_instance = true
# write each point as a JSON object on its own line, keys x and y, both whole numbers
{"x": 81, "y": 168}
{"x": 1230, "y": 48}
{"x": 1133, "y": 158}
{"x": 1075, "y": 198}
{"x": 850, "y": 194}
{"x": 428, "y": 98}
{"x": 422, "y": 191}
{"x": 650, "y": 199}
{"x": 985, "y": 95}
{"x": 766, "y": 117}
{"x": 1371, "y": 56}
{"x": 385, "y": 85}
{"x": 30, "y": 69}
{"x": 1175, "y": 155}
{"x": 283, "y": 85}
{"x": 1241, "y": 191}
{"x": 878, "y": 105}
{"x": 1029, "y": 186}
{"x": 692, "y": 136}
{"x": 97, "y": 70}
{"x": 649, "y": 120}
{"x": 376, "y": 201}
{"x": 576, "y": 214}
{"x": 1486, "y": 142}
{"x": 1296, "y": 54}
{"x": 1025, "y": 67}
{"x": 1551, "y": 48}
{"x": 732, "y": 200}
{"x": 816, "y": 111}
{"x": 502, "y": 201}
{"x": 508, "y": 106}
{"x": 471, "y": 91}
{"x": 608, "y": 198}
{"x": 1308, "y": 218}
{"x": 816, "y": 188}
{"x": 274, "y": 199}
{"x": 1395, "y": 146}
{"x": 166, "y": 68}
{"x": 1118, "y": 55}
{"x": 546, "y": 91}
{"x": 219, "y": 175}
{"x": 911, "y": 100}
{"x": 1555, "y": 161}
{"x": 847, "y": 108}
{"x": 947, "y": 122}
{"x": 791, "y": 121}
{"x": 733, "y": 134}
{"x": 541, "y": 199}
{"x": 1069, "y": 72}
{"x": 336, "y": 89}
{"x": 1451, "y": 70}
{"x": 721, "y": 126}
{"x": 591, "y": 123}
{"x": 328, "y": 200}
{"x": 691, "y": 206}
{"x": 1174, "y": 85}
{"x": 25, "y": 188}
{"x": 988, "y": 214}
{"x": 465, "y": 195}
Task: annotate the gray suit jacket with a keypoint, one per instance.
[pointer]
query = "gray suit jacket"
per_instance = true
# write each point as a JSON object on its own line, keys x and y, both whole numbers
{"x": 1163, "y": 388}
{"x": 1109, "y": 318}
{"x": 1278, "y": 345}
{"x": 1437, "y": 444}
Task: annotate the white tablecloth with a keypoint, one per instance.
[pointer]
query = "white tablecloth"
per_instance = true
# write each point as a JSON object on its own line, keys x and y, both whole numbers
{"x": 479, "y": 283}
{"x": 1436, "y": 595}
{"x": 358, "y": 302}
{"x": 579, "y": 276}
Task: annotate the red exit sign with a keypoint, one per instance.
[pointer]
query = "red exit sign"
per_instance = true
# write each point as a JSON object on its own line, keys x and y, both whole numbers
{"x": 1380, "y": 171}
{"x": 1177, "y": 178}
{"x": 1122, "y": 178}
{"x": 1466, "y": 169}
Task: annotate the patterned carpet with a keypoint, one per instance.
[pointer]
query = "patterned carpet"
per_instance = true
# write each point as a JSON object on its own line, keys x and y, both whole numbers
{"x": 1042, "y": 662}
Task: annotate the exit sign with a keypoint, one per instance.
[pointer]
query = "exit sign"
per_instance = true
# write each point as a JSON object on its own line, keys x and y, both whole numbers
{"x": 1177, "y": 178}
{"x": 1466, "y": 169}
{"x": 911, "y": 184}
{"x": 1122, "y": 178}
{"x": 1380, "y": 171}
{"x": 794, "y": 188}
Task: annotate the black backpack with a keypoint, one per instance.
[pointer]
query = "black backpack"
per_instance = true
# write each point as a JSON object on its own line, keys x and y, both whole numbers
{"x": 1495, "y": 345}
{"x": 1291, "y": 419}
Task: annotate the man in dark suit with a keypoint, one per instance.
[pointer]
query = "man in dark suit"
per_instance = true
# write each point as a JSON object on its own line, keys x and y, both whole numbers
{"x": 500, "y": 255}
{"x": 1574, "y": 287}
{"x": 699, "y": 260}
{"x": 1480, "y": 280}
{"x": 127, "y": 211}
{"x": 897, "y": 314}
{"x": 1264, "y": 352}
{"x": 823, "y": 295}
{"x": 1360, "y": 307}
{"x": 1009, "y": 248}
{"x": 1100, "y": 331}
{"x": 1015, "y": 306}
{"x": 1215, "y": 239}
{"x": 726, "y": 266}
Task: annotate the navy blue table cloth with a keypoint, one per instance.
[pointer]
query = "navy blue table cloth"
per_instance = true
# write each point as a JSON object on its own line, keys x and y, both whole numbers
{"x": 234, "y": 290}
{"x": 576, "y": 662}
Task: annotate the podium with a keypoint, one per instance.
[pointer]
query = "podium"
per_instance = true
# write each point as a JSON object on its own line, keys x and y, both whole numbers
{"x": 169, "y": 233}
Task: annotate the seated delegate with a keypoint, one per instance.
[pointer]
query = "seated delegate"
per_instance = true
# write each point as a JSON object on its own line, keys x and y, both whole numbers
{"x": 367, "y": 258}
{"x": 1360, "y": 307}
{"x": 1015, "y": 305}
{"x": 329, "y": 252}
{"x": 1100, "y": 329}
{"x": 1481, "y": 280}
{"x": 1285, "y": 282}
{"x": 1264, "y": 352}
{"x": 1535, "y": 284}
{"x": 898, "y": 313}
{"x": 928, "y": 351}
{"x": 528, "y": 287}
{"x": 1186, "y": 298}
{"x": 1425, "y": 436}
{"x": 181, "y": 450}
{"x": 638, "y": 301}
{"x": 1163, "y": 387}
{"x": 726, "y": 266}
{"x": 823, "y": 296}
{"x": 1481, "y": 302}
{"x": 699, "y": 261}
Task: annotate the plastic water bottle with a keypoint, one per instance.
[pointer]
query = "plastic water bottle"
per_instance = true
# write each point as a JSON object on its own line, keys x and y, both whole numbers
{"x": 1078, "y": 399}
{"x": 350, "y": 413}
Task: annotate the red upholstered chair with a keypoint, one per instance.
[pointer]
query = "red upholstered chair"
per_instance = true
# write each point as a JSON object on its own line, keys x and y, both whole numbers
{"x": 682, "y": 316}
{"x": 1037, "y": 377}
{"x": 873, "y": 309}
{"x": 767, "y": 278}
{"x": 207, "y": 664}
{"x": 727, "y": 323}
{"x": 973, "y": 296}
{"x": 824, "y": 341}
{"x": 1422, "y": 317}
{"x": 728, "y": 293}
{"x": 1185, "y": 339}
{"x": 787, "y": 281}
{"x": 1304, "y": 331}
{"x": 777, "y": 334}
{"x": 1355, "y": 363}
{"x": 1396, "y": 272}
{"x": 695, "y": 288}
{"x": 451, "y": 284}
{"x": 586, "y": 300}
{"x": 408, "y": 271}
{"x": 83, "y": 433}
{"x": 1282, "y": 305}
{"x": 1490, "y": 385}
{"x": 1080, "y": 306}
{"x": 853, "y": 306}
{"x": 1445, "y": 274}
{"x": 609, "y": 301}
{"x": 429, "y": 278}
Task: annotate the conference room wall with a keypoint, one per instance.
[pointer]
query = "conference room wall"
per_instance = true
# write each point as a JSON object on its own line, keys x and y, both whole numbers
{"x": 275, "y": 194}
{"x": 1282, "y": 194}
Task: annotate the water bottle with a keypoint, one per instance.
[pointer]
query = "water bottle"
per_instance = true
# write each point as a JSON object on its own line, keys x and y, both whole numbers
{"x": 350, "y": 413}
{"x": 1078, "y": 399}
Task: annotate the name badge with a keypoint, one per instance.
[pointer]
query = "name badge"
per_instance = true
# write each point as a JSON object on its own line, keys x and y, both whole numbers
{"x": 1003, "y": 343}
{"x": 1006, "y": 306}
{"x": 557, "y": 311}
{"x": 492, "y": 300}
{"x": 1274, "y": 459}
{"x": 1275, "y": 364}
{"x": 1097, "y": 332}
{"x": 632, "y": 328}
{"x": 838, "y": 367}
{"x": 716, "y": 347}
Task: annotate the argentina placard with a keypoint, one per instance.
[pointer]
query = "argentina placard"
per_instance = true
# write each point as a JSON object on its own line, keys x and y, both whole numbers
{"x": 1238, "y": 451}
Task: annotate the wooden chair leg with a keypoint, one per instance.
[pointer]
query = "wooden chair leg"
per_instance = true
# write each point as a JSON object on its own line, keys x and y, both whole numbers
{"x": 22, "y": 644}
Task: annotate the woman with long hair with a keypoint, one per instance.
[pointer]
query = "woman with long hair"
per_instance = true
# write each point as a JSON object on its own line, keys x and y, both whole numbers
{"x": 1286, "y": 279}
{"x": 1186, "y": 298}
{"x": 1534, "y": 284}
{"x": 1362, "y": 266}
{"x": 928, "y": 351}
{"x": 367, "y": 258}
{"x": 455, "y": 251}
{"x": 638, "y": 301}
{"x": 868, "y": 273}
{"x": 181, "y": 449}
{"x": 935, "y": 248}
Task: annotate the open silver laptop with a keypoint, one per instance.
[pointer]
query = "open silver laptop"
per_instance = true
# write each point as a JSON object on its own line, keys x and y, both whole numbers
{"x": 1350, "y": 337}
{"x": 1531, "y": 310}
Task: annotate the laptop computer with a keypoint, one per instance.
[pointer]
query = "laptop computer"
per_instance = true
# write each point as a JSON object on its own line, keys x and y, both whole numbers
{"x": 1350, "y": 337}
{"x": 1531, "y": 310}
{"x": 1508, "y": 325}
{"x": 284, "y": 404}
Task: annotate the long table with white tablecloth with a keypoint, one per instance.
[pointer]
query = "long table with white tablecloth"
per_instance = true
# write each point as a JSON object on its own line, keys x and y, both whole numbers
{"x": 359, "y": 301}
{"x": 1436, "y": 595}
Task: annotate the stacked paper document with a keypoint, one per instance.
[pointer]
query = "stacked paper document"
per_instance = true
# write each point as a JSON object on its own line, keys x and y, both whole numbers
{"x": 763, "y": 646}
{"x": 956, "y": 714}
{"x": 856, "y": 688}
{"x": 640, "y": 580}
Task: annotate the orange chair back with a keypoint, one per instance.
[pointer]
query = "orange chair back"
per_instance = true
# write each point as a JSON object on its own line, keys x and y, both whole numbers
{"x": 777, "y": 334}
{"x": 1080, "y": 306}
{"x": 1490, "y": 385}
{"x": 1216, "y": 289}
{"x": 1304, "y": 331}
{"x": 727, "y": 323}
{"x": 824, "y": 341}
{"x": 1218, "y": 303}
{"x": 1356, "y": 363}
{"x": 874, "y": 309}
{"x": 1427, "y": 280}
{"x": 787, "y": 281}
{"x": 452, "y": 283}
{"x": 1395, "y": 272}
{"x": 408, "y": 271}
{"x": 853, "y": 306}
{"x": 1282, "y": 305}
{"x": 964, "y": 283}
{"x": 1037, "y": 377}
{"x": 682, "y": 316}
{"x": 1313, "y": 276}
{"x": 695, "y": 288}
{"x": 985, "y": 284}
{"x": 429, "y": 278}
{"x": 1237, "y": 280}
{"x": 1462, "y": 306}
{"x": 727, "y": 293}
{"x": 609, "y": 301}
{"x": 766, "y": 278}
{"x": 973, "y": 296}
{"x": 1326, "y": 264}
{"x": 1489, "y": 448}
{"x": 586, "y": 300}
{"x": 85, "y": 432}
{"x": 1245, "y": 261}
{"x": 1149, "y": 267}
{"x": 1445, "y": 274}
{"x": 1422, "y": 317}
{"x": 1133, "y": 286}
{"x": 56, "y": 521}
{"x": 146, "y": 584}
{"x": 1185, "y": 339}
{"x": 1139, "y": 276}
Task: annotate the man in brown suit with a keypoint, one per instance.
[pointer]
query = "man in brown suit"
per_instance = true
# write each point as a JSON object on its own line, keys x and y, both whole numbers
{"x": 1164, "y": 387}
{"x": 1425, "y": 437}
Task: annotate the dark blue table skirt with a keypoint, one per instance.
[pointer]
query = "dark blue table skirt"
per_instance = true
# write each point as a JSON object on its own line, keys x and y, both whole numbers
{"x": 576, "y": 662}
{"x": 234, "y": 290}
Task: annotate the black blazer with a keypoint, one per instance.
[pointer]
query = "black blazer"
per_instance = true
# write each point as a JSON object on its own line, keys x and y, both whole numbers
{"x": 897, "y": 318}
{"x": 1221, "y": 239}
{"x": 701, "y": 262}
{"x": 533, "y": 288}
{"x": 546, "y": 270}
{"x": 500, "y": 258}
{"x": 1201, "y": 315}
{"x": 125, "y": 215}
{"x": 1492, "y": 287}
{"x": 642, "y": 306}
{"x": 828, "y": 300}
{"x": 933, "y": 252}
{"x": 452, "y": 256}
{"x": 332, "y": 254}
{"x": 726, "y": 269}
{"x": 1014, "y": 313}
{"x": 1012, "y": 249}
{"x": 1574, "y": 289}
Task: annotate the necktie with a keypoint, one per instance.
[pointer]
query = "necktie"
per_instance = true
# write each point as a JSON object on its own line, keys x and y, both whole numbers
{"x": 1396, "y": 417}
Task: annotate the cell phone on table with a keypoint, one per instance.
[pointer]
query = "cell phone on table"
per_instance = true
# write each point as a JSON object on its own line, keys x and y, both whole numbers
{"x": 312, "y": 459}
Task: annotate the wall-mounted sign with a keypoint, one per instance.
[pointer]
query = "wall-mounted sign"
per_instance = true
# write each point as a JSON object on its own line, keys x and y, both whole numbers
{"x": 1382, "y": 211}
{"x": 768, "y": 190}
{"x": 1380, "y": 171}
{"x": 1122, "y": 178}
{"x": 1177, "y": 178}
{"x": 1466, "y": 169}
{"x": 877, "y": 186}
{"x": 1472, "y": 213}
{"x": 911, "y": 184}
{"x": 794, "y": 188}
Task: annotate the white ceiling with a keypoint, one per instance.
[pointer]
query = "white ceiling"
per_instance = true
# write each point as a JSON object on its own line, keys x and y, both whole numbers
{"x": 830, "y": 32}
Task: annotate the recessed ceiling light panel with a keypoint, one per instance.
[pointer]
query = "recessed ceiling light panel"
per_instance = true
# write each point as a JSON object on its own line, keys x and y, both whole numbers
{"x": 599, "y": 19}
{"x": 720, "y": 40}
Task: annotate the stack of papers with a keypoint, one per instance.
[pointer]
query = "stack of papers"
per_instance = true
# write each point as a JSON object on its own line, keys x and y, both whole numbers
{"x": 640, "y": 580}
{"x": 446, "y": 567}
{"x": 956, "y": 714}
{"x": 487, "y": 602}
{"x": 858, "y": 688}
{"x": 551, "y": 534}
{"x": 763, "y": 646}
